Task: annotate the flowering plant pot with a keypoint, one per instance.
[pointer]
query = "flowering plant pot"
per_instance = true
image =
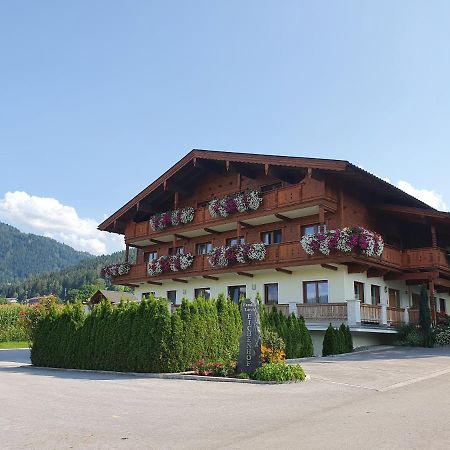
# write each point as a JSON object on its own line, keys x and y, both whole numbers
{"x": 173, "y": 263}
{"x": 115, "y": 269}
{"x": 241, "y": 202}
{"x": 241, "y": 253}
{"x": 344, "y": 240}
{"x": 160, "y": 221}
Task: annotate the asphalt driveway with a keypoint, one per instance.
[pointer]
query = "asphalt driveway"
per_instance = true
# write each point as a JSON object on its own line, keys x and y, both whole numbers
{"x": 396, "y": 398}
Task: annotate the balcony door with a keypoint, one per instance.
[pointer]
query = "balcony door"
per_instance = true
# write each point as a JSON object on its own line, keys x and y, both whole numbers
{"x": 394, "y": 298}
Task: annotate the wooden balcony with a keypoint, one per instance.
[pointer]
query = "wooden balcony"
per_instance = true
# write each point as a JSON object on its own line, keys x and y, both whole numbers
{"x": 395, "y": 316}
{"x": 323, "y": 312}
{"x": 370, "y": 313}
{"x": 286, "y": 199}
{"x": 425, "y": 258}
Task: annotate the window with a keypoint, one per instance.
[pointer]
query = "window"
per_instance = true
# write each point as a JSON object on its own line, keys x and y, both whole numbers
{"x": 271, "y": 293}
{"x": 236, "y": 292}
{"x": 358, "y": 289}
{"x": 315, "y": 291}
{"x": 147, "y": 295}
{"x": 271, "y": 237}
{"x": 172, "y": 297}
{"x": 308, "y": 230}
{"x": 203, "y": 292}
{"x": 234, "y": 241}
{"x": 375, "y": 294}
{"x": 394, "y": 298}
{"x": 151, "y": 256}
{"x": 270, "y": 187}
{"x": 203, "y": 248}
{"x": 176, "y": 250}
{"x": 442, "y": 305}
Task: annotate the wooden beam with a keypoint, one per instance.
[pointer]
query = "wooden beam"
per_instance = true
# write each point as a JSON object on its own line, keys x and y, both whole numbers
{"x": 210, "y": 166}
{"x": 156, "y": 241}
{"x": 180, "y": 280}
{"x": 289, "y": 175}
{"x": 245, "y": 274}
{"x": 246, "y": 225}
{"x": 356, "y": 268}
{"x": 421, "y": 276}
{"x": 210, "y": 230}
{"x": 249, "y": 170}
{"x": 329, "y": 267}
{"x": 156, "y": 283}
{"x": 130, "y": 285}
{"x": 376, "y": 273}
{"x": 282, "y": 270}
{"x": 284, "y": 218}
{"x": 172, "y": 186}
{"x": 211, "y": 277}
{"x": 180, "y": 236}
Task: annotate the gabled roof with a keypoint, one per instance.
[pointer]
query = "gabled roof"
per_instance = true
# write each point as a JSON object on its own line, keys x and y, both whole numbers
{"x": 187, "y": 170}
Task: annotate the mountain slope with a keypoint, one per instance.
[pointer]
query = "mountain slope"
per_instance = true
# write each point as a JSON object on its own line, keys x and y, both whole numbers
{"x": 23, "y": 254}
{"x": 59, "y": 282}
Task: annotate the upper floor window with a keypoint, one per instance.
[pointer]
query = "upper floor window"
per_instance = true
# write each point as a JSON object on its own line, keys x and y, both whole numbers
{"x": 176, "y": 250}
{"x": 151, "y": 256}
{"x": 234, "y": 241}
{"x": 315, "y": 291}
{"x": 358, "y": 289}
{"x": 203, "y": 292}
{"x": 203, "y": 248}
{"x": 271, "y": 237}
{"x": 308, "y": 230}
{"x": 270, "y": 187}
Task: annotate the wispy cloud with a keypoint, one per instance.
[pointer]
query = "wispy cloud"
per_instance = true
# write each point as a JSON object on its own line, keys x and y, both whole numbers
{"x": 49, "y": 217}
{"x": 428, "y": 196}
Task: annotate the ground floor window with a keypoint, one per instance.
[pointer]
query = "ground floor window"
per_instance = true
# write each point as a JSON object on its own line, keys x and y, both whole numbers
{"x": 236, "y": 292}
{"x": 394, "y": 298}
{"x": 358, "y": 289}
{"x": 271, "y": 293}
{"x": 375, "y": 294}
{"x": 203, "y": 292}
{"x": 442, "y": 305}
{"x": 315, "y": 291}
{"x": 172, "y": 297}
{"x": 147, "y": 295}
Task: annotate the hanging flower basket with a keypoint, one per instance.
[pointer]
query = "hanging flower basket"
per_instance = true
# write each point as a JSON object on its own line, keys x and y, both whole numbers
{"x": 115, "y": 270}
{"x": 241, "y": 253}
{"x": 344, "y": 240}
{"x": 173, "y": 263}
{"x": 159, "y": 222}
{"x": 242, "y": 202}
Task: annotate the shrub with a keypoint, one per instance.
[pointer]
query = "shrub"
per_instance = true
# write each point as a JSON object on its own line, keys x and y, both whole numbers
{"x": 11, "y": 326}
{"x": 414, "y": 336}
{"x": 215, "y": 369}
{"x": 424, "y": 310}
{"x": 272, "y": 347}
{"x": 136, "y": 337}
{"x": 291, "y": 329}
{"x": 280, "y": 372}
{"x": 337, "y": 340}
{"x": 443, "y": 337}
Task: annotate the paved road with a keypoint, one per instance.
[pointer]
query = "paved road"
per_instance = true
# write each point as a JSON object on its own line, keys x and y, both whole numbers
{"x": 391, "y": 399}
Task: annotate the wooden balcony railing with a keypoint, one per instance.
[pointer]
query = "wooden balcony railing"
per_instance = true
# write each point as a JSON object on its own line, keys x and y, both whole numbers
{"x": 323, "y": 312}
{"x": 395, "y": 316}
{"x": 421, "y": 258}
{"x": 274, "y": 200}
{"x": 370, "y": 313}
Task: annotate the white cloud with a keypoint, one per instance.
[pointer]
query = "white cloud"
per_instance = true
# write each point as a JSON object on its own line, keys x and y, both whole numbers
{"x": 428, "y": 196}
{"x": 49, "y": 217}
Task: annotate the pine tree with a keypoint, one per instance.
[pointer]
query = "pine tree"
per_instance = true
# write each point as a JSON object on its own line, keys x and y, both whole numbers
{"x": 424, "y": 311}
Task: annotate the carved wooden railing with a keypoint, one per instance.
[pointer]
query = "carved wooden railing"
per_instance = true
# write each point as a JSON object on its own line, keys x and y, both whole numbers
{"x": 322, "y": 312}
{"x": 370, "y": 313}
{"x": 395, "y": 316}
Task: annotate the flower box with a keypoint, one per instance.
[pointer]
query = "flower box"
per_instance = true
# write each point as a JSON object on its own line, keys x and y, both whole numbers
{"x": 115, "y": 269}
{"x": 344, "y": 240}
{"x": 241, "y": 202}
{"x": 160, "y": 221}
{"x": 173, "y": 263}
{"x": 241, "y": 253}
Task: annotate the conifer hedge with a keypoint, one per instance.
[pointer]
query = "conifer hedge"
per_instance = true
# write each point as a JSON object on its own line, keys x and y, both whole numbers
{"x": 292, "y": 330}
{"x": 337, "y": 340}
{"x": 137, "y": 337}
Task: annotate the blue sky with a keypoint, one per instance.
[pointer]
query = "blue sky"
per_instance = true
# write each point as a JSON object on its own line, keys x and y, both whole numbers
{"x": 100, "y": 97}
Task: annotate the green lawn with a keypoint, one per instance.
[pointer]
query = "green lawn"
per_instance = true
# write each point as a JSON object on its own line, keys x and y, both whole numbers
{"x": 18, "y": 344}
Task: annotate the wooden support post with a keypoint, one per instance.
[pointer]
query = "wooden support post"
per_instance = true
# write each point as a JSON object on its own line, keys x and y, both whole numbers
{"x": 433, "y": 237}
{"x": 127, "y": 252}
{"x": 432, "y": 302}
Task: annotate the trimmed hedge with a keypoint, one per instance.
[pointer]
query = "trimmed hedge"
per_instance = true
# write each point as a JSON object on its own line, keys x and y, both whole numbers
{"x": 337, "y": 340}
{"x": 291, "y": 329}
{"x": 137, "y": 337}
